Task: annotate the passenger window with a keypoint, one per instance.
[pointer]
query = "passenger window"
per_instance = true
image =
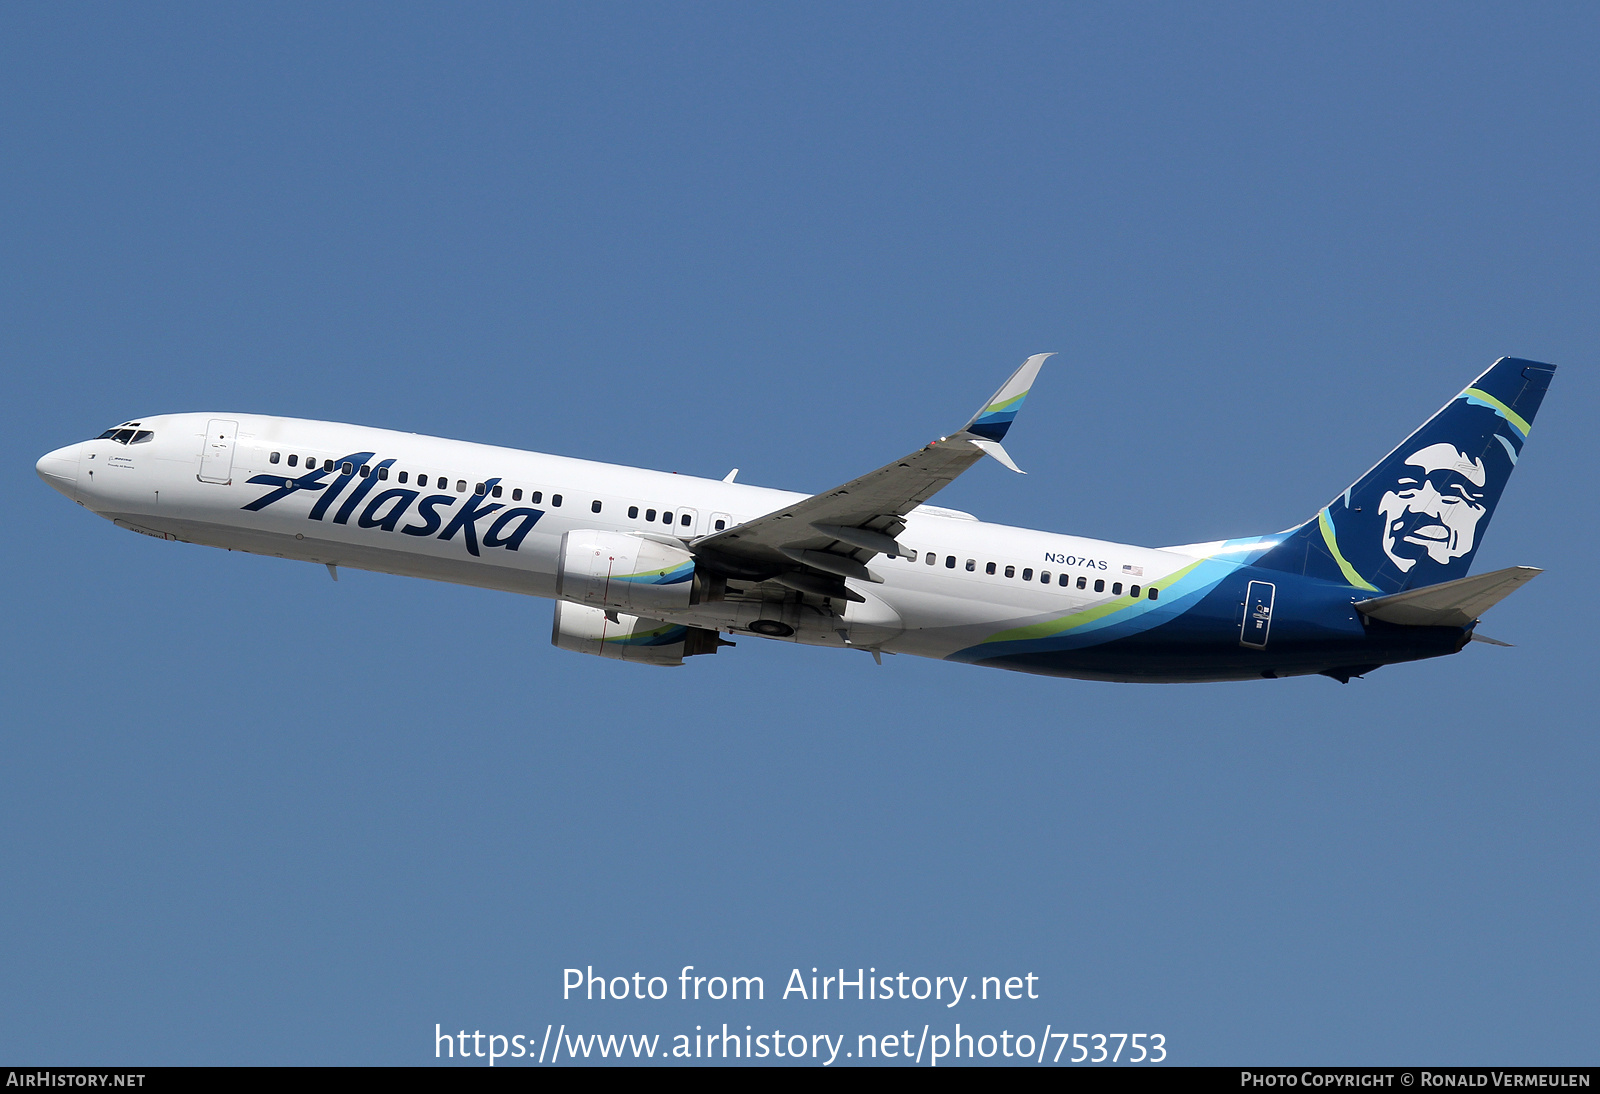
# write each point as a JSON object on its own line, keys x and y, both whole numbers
{"x": 932, "y": 558}
{"x": 721, "y": 524}
{"x": 347, "y": 469}
{"x": 383, "y": 473}
{"x": 516, "y": 495}
{"x": 1044, "y": 576}
{"x": 480, "y": 490}
{"x": 950, "y": 562}
{"x": 555, "y": 500}
{"x": 649, "y": 514}
{"x": 365, "y": 470}
{"x": 633, "y": 512}
{"x": 536, "y": 497}
{"x": 1064, "y": 580}
{"x": 461, "y": 486}
{"x": 1083, "y": 582}
{"x": 1099, "y": 584}
{"x": 1116, "y": 589}
{"x": 327, "y": 465}
{"x": 1133, "y": 591}
{"x": 666, "y": 518}
{"x": 272, "y": 458}
{"x": 594, "y": 506}
{"x": 403, "y": 476}
{"x": 1027, "y": 575}
{"x": 971, "y": 565}
{"x": 1011, "y": 571}
{"x": 422, "y": 480}
{"x": 1151, "y": 593}
{"x": 293, "y": 460}
{"x": 497, "y": 491}
{"x": 989, "y": 569}
{"x": 683, "y": 519}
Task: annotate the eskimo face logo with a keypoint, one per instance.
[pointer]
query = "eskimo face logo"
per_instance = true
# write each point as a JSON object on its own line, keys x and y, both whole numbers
{"x": 1434, "y": 508}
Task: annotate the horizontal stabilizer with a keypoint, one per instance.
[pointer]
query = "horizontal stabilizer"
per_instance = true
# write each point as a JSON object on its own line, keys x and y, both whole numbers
{"x": 1451, "y": 604}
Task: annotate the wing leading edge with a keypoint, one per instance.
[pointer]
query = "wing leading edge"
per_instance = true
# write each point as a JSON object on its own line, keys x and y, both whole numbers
{"x": 814, "y": 544}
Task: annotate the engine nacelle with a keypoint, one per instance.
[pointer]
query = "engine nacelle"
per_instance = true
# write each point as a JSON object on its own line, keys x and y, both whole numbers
{"x": 583, "y": 629}
{"x": 616, "y": 570}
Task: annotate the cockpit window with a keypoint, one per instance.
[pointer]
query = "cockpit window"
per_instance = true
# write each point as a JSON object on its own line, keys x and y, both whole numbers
{"x": 126, "y": 434}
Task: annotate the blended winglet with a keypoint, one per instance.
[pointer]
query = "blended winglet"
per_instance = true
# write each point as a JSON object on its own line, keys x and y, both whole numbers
{"x": 996, "y": 416}
{"x": 997, "y": 450}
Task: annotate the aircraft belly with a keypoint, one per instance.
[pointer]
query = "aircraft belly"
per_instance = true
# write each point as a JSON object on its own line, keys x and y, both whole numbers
{"x": 349, "y": 553}
{"x": 1132, "y": 661}
{"x": 1200, "y": 634}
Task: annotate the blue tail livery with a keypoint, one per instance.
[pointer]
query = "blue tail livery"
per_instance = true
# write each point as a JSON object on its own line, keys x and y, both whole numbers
{"x": 1417, "y": 518}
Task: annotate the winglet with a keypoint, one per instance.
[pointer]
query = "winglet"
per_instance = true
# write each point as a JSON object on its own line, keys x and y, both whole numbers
{"x": 995, "y": 418}
{"x": 995, "y": 449}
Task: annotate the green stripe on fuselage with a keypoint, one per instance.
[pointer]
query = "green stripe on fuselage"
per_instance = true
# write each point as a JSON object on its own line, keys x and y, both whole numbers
{"x": 1051, "y": 627}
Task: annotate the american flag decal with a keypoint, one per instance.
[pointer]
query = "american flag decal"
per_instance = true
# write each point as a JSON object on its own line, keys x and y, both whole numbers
{"x": 1136, "y": 571}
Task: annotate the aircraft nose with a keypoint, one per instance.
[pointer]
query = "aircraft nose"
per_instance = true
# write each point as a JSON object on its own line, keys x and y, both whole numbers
{"x": 60, "y": 469}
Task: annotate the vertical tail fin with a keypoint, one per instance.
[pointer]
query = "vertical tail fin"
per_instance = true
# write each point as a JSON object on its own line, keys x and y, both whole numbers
{"x": 1416, "y": 518}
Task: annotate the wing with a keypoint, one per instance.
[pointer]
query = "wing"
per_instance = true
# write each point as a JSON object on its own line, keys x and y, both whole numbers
{"x": 812, "y": 545}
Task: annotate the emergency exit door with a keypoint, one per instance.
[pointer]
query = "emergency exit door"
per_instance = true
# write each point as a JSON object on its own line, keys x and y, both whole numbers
{"x": 1257, "y": 614}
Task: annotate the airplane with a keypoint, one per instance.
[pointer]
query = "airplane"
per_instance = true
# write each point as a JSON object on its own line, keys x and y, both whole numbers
{"x": 655, "y": 568}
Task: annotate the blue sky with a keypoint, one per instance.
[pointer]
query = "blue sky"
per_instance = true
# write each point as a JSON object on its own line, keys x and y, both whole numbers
{"x": 251, "y": 816}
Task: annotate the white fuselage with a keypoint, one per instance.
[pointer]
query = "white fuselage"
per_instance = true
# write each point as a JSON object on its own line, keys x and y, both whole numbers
{"x": 388, "y": 524}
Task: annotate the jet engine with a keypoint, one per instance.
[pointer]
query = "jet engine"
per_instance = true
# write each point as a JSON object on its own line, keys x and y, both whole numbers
{"x": 583, "y": 629}
{"x": 617, "y": 570}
